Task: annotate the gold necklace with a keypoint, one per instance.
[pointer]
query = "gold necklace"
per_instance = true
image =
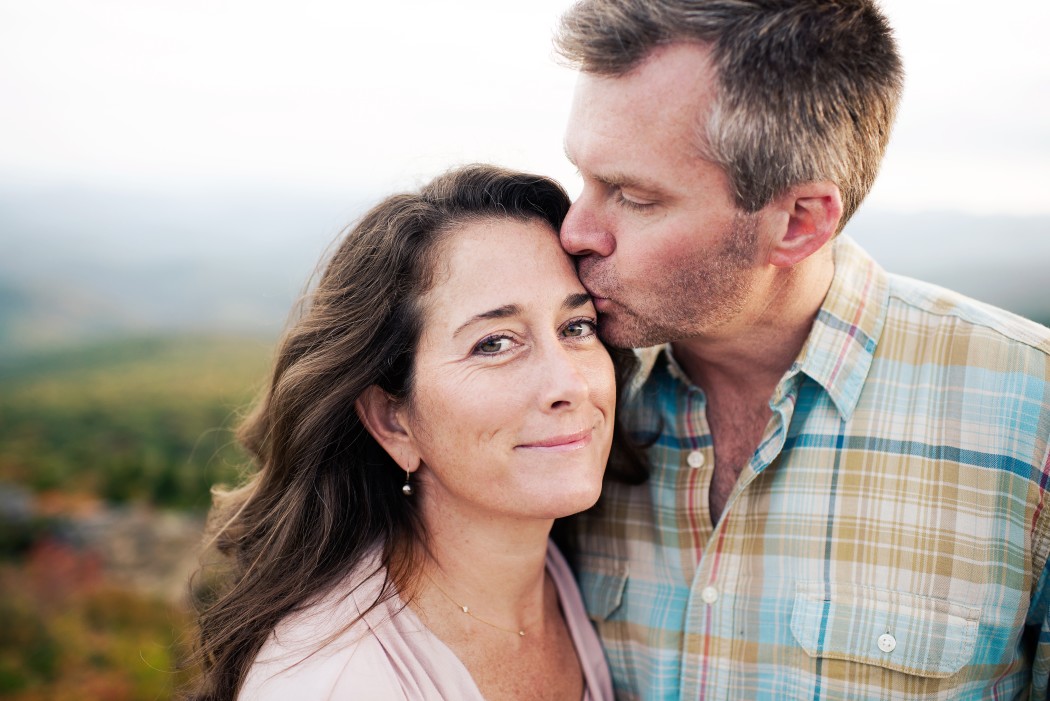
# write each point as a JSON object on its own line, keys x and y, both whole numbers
{"x": 466, "y": 610}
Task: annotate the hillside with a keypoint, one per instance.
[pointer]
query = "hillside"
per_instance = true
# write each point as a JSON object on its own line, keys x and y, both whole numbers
{"x": 83, "y": 265}
{"x": 140, "y": 419}
{"x": 107, "y": 454}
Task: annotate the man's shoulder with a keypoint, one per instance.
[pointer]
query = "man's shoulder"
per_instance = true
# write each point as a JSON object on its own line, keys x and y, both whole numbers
{"x": 923, "y": 307}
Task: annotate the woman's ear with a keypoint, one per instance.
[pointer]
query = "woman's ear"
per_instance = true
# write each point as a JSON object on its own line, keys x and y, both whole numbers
{"x": 381, "y": 415}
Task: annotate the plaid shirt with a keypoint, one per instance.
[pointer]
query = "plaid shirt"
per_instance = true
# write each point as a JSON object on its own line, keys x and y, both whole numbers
{"x": 887, "y": 539}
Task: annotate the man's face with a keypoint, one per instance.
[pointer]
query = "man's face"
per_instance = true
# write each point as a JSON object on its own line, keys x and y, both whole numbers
{"x": 662, "y": 246}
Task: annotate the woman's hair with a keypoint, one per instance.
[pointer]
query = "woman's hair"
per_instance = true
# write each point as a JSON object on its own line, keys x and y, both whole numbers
{"x": 325, "y": 494}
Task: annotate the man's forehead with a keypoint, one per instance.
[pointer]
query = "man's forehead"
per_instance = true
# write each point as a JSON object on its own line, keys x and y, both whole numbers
{"x": 614, "y": 117}
{"x": 674, "y": 82}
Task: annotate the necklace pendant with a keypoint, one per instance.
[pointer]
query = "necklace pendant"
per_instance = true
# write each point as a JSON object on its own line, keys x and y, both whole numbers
{"x": 466, "y": 610}
{"x": 521, "y": 633}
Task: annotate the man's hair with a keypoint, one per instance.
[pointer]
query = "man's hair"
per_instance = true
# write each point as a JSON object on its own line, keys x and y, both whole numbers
{"x": 807, "y": 89}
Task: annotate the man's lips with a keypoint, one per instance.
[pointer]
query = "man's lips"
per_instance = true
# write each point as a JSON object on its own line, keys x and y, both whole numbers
{"x": 599, "y": 300}
{"x": 568, "y": 441}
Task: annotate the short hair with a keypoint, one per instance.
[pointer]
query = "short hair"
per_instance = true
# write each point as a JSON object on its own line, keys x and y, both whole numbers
{"x": 807, "y": 89}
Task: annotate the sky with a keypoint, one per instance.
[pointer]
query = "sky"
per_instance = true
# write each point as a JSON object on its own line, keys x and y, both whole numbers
{"x": 318, "y": 96}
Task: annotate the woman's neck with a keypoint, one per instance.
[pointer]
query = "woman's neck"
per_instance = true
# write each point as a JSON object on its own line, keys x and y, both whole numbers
{"x": 494, "y": 568}
{"x": 512, "y": 639}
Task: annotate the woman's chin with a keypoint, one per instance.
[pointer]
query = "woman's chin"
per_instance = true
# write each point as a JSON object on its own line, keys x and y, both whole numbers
{"x": 576, "y": 500}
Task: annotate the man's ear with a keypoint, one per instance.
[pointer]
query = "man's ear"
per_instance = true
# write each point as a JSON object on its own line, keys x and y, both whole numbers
{"x": 813, "y": 212}
{"x": 382, "y": 417}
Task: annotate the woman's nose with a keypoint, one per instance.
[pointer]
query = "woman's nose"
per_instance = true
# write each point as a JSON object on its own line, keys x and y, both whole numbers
{"x": 564, "y": 380}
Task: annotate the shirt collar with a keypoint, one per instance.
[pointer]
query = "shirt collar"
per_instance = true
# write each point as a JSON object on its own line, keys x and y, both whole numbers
{"x": 840, "y": 347}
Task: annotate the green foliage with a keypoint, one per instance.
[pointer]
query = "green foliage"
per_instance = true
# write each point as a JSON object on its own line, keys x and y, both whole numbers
{"x": 18, "y": 535}
{"x": 138, "y": 420}
{"x": 85, "y": 640}
{"x": 28, "y": 649}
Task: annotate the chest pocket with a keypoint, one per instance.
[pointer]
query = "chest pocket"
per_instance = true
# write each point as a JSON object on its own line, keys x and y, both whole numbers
{"x": 917, "y": 635}
{"x": 602, "y": 579}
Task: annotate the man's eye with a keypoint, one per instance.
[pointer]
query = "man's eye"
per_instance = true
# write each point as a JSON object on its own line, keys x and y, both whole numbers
{"x": 631, "y": 204}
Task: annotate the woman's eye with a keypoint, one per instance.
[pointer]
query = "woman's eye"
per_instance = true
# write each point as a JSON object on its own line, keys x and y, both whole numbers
{"x": 580, "y": 327}
{"x": 492, "y": 345}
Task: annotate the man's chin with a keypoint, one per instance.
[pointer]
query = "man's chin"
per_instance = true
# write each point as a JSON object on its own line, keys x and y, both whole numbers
{"x": 617, "y": 331}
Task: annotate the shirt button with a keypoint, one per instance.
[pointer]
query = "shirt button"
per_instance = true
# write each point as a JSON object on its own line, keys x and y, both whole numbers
{"x": 887, "y": 643}
{"x": 709, "y": 595}
{"x": 695, "y": 459}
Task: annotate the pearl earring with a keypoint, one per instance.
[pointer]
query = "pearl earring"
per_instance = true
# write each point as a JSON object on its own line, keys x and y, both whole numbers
{"x": 406, "y": 488}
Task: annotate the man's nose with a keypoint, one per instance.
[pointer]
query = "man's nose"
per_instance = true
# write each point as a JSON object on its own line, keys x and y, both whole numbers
{"x": 585, "y": 231}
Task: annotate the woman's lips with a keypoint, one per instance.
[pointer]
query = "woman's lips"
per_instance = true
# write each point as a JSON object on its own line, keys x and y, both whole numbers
{"x": 569, "y": 441}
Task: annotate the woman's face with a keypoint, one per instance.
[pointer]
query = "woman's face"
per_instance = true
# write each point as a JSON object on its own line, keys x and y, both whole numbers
{"x": 512, "y": 405}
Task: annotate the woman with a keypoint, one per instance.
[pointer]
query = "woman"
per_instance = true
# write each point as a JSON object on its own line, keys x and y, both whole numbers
{"x": 443, "y": 398}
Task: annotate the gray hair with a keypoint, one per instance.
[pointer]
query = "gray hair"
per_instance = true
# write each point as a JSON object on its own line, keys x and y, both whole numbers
{"x": 807, "y": 89}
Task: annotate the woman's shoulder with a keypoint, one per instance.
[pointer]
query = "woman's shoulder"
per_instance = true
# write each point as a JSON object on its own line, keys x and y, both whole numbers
{"x": 342, "y": 647}
{"x": 360, "y": 670}
{"x": 335, "y": 639}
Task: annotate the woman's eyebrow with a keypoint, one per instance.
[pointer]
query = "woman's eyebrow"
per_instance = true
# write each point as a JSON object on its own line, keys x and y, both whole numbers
{"x": 497, "y": 313}
{"x": 573, "y": 301}
{"x": 576, "y": 300}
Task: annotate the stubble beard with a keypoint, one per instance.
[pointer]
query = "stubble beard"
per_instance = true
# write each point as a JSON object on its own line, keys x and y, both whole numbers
{"x": 698, "y": 295}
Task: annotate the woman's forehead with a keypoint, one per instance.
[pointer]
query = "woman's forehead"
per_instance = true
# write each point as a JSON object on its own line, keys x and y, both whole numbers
{"x": 499, "y": 262}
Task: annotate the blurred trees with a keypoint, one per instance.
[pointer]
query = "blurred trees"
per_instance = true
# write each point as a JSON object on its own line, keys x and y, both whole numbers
{"x": 144, "y": 424}
{"x": 68, "y": 635}
{"x": 142, "y": 420}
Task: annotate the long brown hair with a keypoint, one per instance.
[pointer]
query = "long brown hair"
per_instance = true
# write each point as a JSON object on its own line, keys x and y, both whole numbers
{"x": 325, "y": 494}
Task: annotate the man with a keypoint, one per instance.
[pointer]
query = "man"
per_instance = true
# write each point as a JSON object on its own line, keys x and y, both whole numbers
{"x": 849, "y": 468}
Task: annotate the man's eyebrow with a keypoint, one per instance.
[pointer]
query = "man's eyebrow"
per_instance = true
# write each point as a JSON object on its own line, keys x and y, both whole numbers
{"x": 615, "y": 179}
{"x": 573, "y": 301}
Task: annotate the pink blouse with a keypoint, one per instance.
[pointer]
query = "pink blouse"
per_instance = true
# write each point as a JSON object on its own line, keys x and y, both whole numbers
{"x": 389, "y": 655}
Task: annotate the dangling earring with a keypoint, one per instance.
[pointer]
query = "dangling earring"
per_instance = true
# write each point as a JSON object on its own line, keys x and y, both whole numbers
{"x": 406, "y": 488}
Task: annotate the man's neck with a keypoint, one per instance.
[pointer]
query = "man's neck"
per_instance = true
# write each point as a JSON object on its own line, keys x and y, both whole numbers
{"x": 740, "y": 365}
{"x": 752, "y": 352}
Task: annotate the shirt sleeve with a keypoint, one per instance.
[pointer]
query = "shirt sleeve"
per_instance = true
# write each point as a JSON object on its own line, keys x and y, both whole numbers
{"x": 1038, "y": 620}
{"x": 1039, "y": 624}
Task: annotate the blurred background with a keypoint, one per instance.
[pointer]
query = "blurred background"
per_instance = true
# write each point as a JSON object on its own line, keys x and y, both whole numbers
{"x": 171, "y": 172}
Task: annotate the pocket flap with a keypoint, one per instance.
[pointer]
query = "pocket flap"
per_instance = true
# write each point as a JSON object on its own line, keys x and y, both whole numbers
{"x": 919, "y": 635}
{"x": 602, "y": 579}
